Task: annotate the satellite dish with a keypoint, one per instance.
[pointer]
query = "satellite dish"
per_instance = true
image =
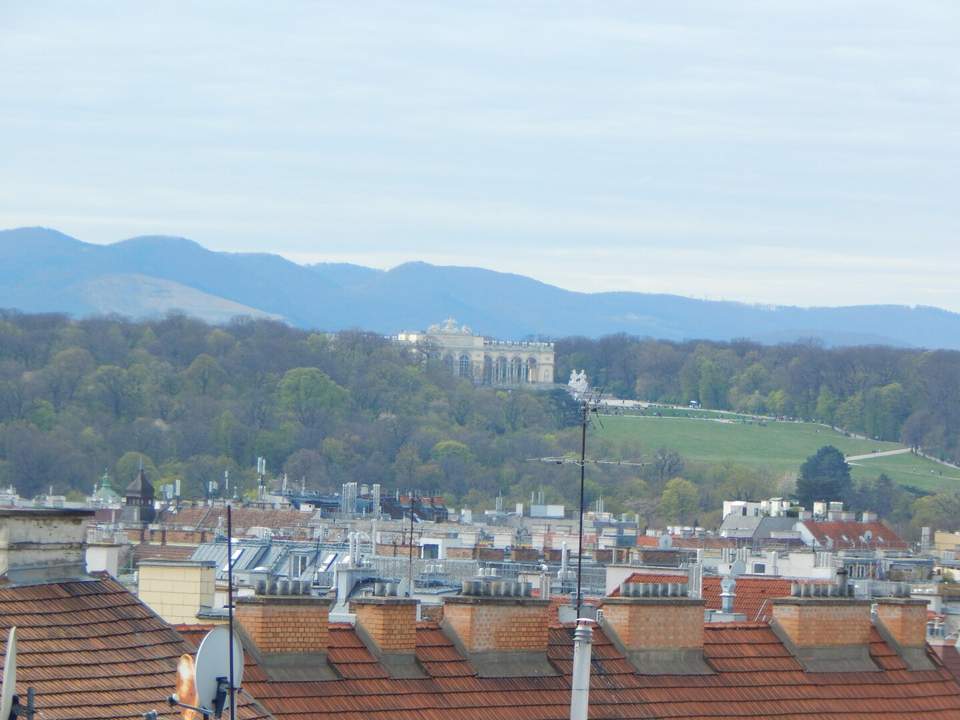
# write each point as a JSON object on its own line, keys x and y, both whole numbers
{"x": 9, "y": 674}
{"x": 213, "y": 662}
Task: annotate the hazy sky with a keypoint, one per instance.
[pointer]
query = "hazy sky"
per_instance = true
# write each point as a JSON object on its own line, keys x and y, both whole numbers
{"x": 780, "y": 151}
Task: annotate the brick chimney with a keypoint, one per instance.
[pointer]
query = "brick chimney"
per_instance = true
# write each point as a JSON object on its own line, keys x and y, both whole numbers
{"x": 660, "y": 635}
{"x": 503, "y": 624}
{"x": 826, "y": 633}
{"x": 902, "y": 622}
{"x": 904, "y": 619}
{"x": 390, "y": 623}
{"x": 285, "y": 624}
{"x": 502, "y": 635}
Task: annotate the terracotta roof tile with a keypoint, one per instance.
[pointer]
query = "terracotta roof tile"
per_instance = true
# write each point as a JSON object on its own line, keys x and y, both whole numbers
{"x": 91, "y": 650}
{"x": 755, "y": 677}
{"x": 753, "y": 593}
{"x": 283, "y": 522}
{"x": 852, "y": 534}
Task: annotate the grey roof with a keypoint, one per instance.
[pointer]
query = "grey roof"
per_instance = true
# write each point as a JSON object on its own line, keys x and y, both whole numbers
{"x": 140, "y": 486}
{"x": 769, "y": 525}
{"x": 273, "y": 556}
{"x": 739, "y": 526}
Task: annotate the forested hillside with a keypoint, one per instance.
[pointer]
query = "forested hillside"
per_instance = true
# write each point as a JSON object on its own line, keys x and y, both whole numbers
{"x": 887, "y": 393}
{"x": 193, "y": 400}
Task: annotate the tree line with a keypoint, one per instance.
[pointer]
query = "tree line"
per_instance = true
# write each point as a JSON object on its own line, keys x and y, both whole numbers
{"x": 191, "y": 400}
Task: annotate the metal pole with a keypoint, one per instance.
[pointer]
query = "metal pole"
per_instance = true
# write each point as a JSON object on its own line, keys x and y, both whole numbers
{"x": 410, "y": 564}
{"x": 233, "y": 698}
{"x": 580, "y": 682}
{"x": 583, "y": 467}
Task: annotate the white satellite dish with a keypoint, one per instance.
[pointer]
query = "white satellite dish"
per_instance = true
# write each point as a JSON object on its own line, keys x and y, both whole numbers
{"x": 213, "y": 662}
{"x": 9, "y": 675}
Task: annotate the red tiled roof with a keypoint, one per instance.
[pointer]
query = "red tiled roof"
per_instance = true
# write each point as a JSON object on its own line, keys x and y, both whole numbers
{"x": 752, "y": 593}
{"x": 243, "y": 518}
{"x": 147, "y": 551}
{"x": 640, "y": 578}
{"x": 755, "y": 677}
{"x": 949, "y": 657}
{"x": 852, "y": 534}
{"x": 685, "y": 543}
{"x": 91, "y": 650}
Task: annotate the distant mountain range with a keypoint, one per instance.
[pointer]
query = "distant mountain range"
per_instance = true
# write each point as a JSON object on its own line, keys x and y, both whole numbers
{"x": 42, "y": 270}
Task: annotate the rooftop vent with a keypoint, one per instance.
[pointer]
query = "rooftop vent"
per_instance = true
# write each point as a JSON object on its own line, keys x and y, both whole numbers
{"x": 494, "y": 587}
{"x": 677, "y": 589}
{"x": 283, "y": 588}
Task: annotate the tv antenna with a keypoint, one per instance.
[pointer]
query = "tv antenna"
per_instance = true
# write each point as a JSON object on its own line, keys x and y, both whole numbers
{"x": 589, "y": 404}
{"x": 10, "y": 706}
{"x": 219, "y": 664}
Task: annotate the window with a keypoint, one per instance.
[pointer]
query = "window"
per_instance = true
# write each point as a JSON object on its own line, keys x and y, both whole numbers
{"x": 464, "y": 366}
{"x": 759, "y": 569}
{"x": 298, "y": 565}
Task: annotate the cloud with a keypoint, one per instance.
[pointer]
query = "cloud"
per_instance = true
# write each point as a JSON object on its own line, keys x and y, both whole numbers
{"x": 743, "y": 151}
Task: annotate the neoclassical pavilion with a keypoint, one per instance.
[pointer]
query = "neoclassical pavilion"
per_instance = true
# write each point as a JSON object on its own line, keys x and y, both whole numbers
{"x": 484, "y": 360}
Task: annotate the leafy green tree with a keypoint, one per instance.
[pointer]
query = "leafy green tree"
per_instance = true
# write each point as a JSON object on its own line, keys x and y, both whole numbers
{"x": 824, "y": 476}
{"x": 64, "y": 374}
{"x": 128, "y": 466}
{"x": 205, "y": 374}
{"x": 939, "y": 512}
{"x": 680, "y": 501}
{"x": 826, "y": 408}
{"x": 311, "y": 396}
{"x": 116, "y": 389}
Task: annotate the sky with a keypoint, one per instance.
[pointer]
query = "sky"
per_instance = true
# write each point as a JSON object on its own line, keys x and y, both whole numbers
{"x": 769, "y": 151}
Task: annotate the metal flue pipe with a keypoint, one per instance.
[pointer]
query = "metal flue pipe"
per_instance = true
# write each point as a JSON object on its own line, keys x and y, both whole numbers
{"x": 580, "y": 685}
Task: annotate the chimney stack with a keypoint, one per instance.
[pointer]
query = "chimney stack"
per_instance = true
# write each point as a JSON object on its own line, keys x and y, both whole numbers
{"x": 661, "y": 635}
{"x": 389, "y": 623}
{"x": 285, "y": 624}
{"x": 827, "y": 632}
{"x": 902, "y": 622}
{"x": 388, "y": 628}
{"x": 43, "y": 545}
{"x": 501, "y": 629}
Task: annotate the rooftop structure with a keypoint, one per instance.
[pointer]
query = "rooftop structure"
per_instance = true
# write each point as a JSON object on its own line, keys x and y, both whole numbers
{"x": 510, "y": 657}
{"x": 87, "y": 647}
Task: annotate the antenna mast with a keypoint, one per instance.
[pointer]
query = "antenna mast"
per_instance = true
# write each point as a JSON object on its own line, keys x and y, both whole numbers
{"x": 585, "y": 415}
{"x": 233, "y": 698}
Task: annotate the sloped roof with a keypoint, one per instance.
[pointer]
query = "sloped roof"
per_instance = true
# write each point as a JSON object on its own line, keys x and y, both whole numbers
{"x": 140, "y": 486}
{"x": 242, "y": 518}
{"x": 850, "y": 534}
{"x": 685, "y": 543}
{"x": 92, "y": 650}
{"x": 755, "y": 677}
{"x": 751, "y": 594}
{"x": 149, "y": 551}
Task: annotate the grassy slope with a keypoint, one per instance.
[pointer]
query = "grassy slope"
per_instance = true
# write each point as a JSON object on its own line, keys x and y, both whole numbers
{"x": 780, "y": 446}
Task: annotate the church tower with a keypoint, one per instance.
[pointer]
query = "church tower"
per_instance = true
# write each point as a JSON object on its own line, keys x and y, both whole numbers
{"x": 139, "y": 500}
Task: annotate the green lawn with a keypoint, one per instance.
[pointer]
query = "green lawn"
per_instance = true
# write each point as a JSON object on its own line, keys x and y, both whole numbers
{"x": 779, "y": 446}
{"x": 910, "y": 470}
